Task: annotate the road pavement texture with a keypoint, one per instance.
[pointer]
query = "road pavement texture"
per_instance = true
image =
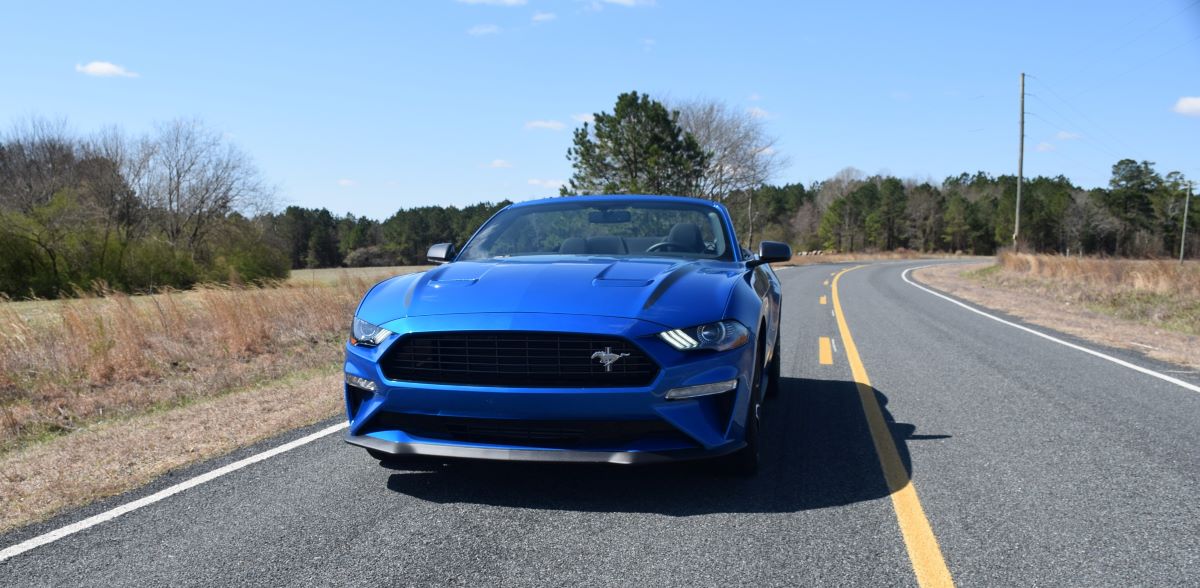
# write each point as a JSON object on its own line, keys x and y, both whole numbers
{"x": 1014, "y": 460}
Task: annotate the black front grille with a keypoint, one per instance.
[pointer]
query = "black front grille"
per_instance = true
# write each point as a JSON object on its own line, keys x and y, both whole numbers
{"x": 518, "y": 359}
{"x": 529, "y": 433}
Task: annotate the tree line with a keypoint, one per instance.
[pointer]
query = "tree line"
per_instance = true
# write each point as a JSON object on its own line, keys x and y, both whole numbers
{"x": 706, "y": 150}
{"x": 181, "y": 204}
{"x": 176, "y": 206}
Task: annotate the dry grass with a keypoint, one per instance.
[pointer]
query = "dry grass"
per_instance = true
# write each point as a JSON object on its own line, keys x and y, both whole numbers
{"x": 1089, "y": 299}
{"x": 1163, "y": 294}
{"x": 336, "y": 275}
{"x": 116, "y": 456}
{"x": 900, "y": 254}
{"x": 67, "y": 363}
{"x": 101, "y": 395}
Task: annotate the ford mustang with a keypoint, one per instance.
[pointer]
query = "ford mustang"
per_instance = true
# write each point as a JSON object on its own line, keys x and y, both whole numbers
{"x": 619, "y": 329}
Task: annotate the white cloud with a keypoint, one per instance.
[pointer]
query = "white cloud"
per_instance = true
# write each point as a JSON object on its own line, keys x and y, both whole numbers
{"x": 347, "y": 183}
{"x": 1067, "y": 136}
{"x": 483, "y": 29}
{"x": 499, "y": 164}
{"x": 550, "y": 125}
{"x": 1188, "y": 106}
{"x": 1044, "y": 146}
{"x": 757, "y": 112}
{"x": 104, "y": 69}
{"x": 495, "y": 2}
{"x": 552, "y": 184}
{"x": 599, "y": 4}
{"x": 583, "y": 117}
{"x": 544, "y": 16}
{"x": 768, "y": 150}
{"x": 754, "y": 97}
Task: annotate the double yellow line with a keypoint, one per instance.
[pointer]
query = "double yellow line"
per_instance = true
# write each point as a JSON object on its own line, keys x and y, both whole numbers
{"x": 923, "y": 550}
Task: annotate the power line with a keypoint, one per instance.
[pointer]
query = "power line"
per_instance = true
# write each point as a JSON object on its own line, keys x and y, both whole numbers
{"x": 1052, "y": 126}
{"x": 1155, "y": 26}
{"x": 1060, "y": 153}
{"x": 1072, "y": 123}
{"x": 1138, "y": 65}
{"x": 1069, "y": 104}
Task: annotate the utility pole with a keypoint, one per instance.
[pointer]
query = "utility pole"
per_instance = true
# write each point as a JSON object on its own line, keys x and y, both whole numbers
{"x": 1020, "y": 168}
{"x": 1183, "y": 237}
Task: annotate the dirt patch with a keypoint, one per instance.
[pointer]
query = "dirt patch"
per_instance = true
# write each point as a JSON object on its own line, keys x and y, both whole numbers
{"x": 112, "y": 457}
{"x": 1057, "y": 308}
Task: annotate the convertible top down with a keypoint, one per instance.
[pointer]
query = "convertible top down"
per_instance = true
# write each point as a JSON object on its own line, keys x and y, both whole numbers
{"x": 621, "y": 329}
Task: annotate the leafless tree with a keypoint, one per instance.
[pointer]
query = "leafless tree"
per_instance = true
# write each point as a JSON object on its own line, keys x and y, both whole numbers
{"x": 194, "y": 177}
{"x": 743, "y": 155}
{"x": 37, "y": 160}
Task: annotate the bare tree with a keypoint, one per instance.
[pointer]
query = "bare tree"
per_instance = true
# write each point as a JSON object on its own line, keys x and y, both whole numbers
{"x": 37, "y": 160}
{"x": 743, "y": 155}
{"x": 193, "y": 177}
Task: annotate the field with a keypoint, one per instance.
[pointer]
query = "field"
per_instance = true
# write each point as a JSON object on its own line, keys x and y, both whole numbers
{"x": 1149, "y": 306}
{"x": 1164, "y": 294}
{"x": 101, "y": 394}
{"x": 897, "y": 255}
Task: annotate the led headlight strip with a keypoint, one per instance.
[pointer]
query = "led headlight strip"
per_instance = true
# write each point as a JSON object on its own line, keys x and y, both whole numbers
{"x": 719, "y": 336}
{"x": 678, "y": 339}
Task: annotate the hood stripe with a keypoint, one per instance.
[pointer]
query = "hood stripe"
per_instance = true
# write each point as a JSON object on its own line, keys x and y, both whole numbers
{"x": 667, "y": 282}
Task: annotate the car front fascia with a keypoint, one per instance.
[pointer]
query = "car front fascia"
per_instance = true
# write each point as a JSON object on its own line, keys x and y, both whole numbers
{"x": 711, "y": 431}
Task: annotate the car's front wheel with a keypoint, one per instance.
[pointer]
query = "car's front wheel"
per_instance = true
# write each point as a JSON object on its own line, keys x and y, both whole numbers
{"x": 773, "y": 371}
{"x": 744, "y": 462}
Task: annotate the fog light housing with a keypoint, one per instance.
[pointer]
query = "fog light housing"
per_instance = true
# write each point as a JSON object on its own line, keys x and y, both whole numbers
{"x": 701, "y": 390}
{"x": 361, "y": 383}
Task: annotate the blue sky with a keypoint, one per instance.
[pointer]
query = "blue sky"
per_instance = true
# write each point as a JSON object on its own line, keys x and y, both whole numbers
{"x": 370, "y": 107}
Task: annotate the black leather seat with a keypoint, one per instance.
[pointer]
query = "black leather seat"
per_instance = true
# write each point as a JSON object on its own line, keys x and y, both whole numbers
{"x": 605, "y": 245}
{"x": 573, "y": 246}
{"x": 686, "y": 237}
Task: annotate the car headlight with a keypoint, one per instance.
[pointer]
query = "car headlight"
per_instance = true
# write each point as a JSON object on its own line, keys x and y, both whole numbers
{"x": 367, "y": 335}
{"x": 718, "y": 336}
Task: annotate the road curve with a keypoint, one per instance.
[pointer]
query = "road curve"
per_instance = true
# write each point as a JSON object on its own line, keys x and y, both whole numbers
{"x": 1033, "y": 464}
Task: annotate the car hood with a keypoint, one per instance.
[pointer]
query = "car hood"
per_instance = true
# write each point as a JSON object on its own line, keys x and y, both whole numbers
{"x": 672, "y": 292}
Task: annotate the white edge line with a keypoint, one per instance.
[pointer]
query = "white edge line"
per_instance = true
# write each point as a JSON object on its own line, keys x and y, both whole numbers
{"x": 1120, "y": 362}
{"x": 108, "y": 515}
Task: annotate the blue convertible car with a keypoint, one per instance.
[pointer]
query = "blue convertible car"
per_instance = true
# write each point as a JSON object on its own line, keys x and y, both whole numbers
{"x": 621, "y": 329}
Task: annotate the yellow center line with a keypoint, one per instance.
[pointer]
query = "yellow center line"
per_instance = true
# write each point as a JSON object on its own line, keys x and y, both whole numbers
{"x": 923, "y": 550}
{"x": 825, "y": 351}
{"x": 822, "y": 300}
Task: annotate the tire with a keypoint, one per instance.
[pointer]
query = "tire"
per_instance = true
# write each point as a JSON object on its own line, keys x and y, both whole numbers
{"x": 743, "y": 463}
{"x": 773, "y": 371}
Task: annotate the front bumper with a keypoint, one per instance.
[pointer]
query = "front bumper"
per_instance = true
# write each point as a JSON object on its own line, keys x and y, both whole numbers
{"x": 697, "y": 427}
{"x": 536, "y": 455}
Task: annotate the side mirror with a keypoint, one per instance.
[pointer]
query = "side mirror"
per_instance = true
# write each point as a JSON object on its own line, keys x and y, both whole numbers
{"x": 771, "y": 252}
{"x": 440, "y": 253}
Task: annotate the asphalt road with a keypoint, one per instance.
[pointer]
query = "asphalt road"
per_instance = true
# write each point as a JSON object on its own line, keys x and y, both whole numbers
{"x": 1033, "y": 463}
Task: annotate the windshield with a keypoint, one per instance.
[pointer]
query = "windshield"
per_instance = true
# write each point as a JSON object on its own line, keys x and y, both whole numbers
{"x": 616, "y": 228}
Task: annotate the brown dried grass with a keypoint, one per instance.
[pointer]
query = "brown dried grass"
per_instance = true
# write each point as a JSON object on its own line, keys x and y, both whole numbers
{"x": 1162, "y": 294}
{"x": 899, "y": 254}
{"x": 72, "y": 362}
{"x": 1109, "y": 275}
